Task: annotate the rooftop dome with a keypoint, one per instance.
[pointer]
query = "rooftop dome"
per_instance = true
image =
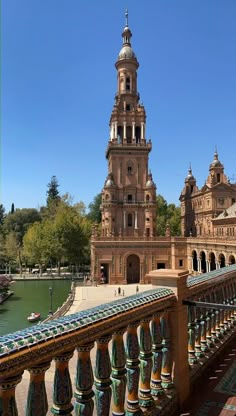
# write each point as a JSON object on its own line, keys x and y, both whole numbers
{"x": 126, "y": 52}
{"x": 216, "y": 163}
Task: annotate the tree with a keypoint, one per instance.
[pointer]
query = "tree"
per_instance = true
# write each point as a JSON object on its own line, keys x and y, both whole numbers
{"x": 167, "y": 213}
{"x": 2, "y": 214}
{"x": 53, "y": 192}
{"x": 94, "y": 213}
{"x": 19, "y": 221}
{"x": 5, "y": 282}
{"x": 35, "y": 245}
{"x": 12, "y": 208}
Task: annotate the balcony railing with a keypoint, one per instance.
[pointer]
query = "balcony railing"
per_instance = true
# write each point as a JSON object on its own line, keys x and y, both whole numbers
{"x": 144, "y": 346}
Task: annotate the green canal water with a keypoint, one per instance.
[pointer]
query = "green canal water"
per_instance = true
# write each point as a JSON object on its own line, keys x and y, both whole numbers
{"x": 31, "y": 296}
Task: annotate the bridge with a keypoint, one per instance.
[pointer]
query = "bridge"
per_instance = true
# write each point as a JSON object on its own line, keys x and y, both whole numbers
{"x": 149, "y": 350}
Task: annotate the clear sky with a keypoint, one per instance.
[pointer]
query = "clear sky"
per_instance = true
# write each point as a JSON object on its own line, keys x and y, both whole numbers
{"x": 59, "y": 83}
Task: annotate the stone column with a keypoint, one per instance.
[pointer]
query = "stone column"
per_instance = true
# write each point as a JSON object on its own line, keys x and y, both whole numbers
{"x": 115, "y": 130}
{"x": 145, "y": 397}
{"x": 102, "y": 377}
{"x": 124, "y": 131}
{"x": 156, "y": 387}
{"x": 8, "y": 385}
{"x": 142, "y": 131}
{"x": 133, "y": 131}
{"x": 62, "y": 389}
{"x": 132, "y": 365}
{"x": 84, "y": 382}
{"x": 37, "y": 403}
{"x": 136, "y": 220}
{"x": 118, "y": 373}
{"x": 124, "y": 220}
{"x": 176, "y": 281}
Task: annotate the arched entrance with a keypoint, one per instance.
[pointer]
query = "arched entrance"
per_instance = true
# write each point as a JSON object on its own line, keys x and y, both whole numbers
{"x": 231, "y": 259}
{"x": 133, "y": 269}
{"x": 222, "y": 260}
{"x": 212, "y": 260}
{"x": 203, "y": 261}
{"x": 194, "y": 257}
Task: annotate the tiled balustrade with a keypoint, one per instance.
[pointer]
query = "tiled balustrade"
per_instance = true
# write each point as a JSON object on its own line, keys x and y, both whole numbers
{"x": 149, "y": 347}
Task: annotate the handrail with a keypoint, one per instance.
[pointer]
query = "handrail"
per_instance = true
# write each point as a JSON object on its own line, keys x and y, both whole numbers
{"x": 62, "y": 310}
{"x": 144, "y": 358}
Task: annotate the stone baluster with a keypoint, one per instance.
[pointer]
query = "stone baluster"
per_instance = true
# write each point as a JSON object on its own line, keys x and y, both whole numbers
{"x": 234, "y": 298}
{"x": 166, "y": 380}
{"x": 222, "y": 312}
{"x": 213, "y": 318}
{"x": 62, "y": 389}
{"x": 84, "y": 382}
{"x": 204, "y": 346}
{"x": 8, "y": 385}
{"x": 118, "y": 360}
{"x": 217, "y": 315}
{"x": 232, "y": 301}
{"x": 102, "y": 377}
{"x": 37, "y": 403}
{"x": 132, "y": 365}
{"x": 226, "y": 313}
{"x": 156, "y": 387}
{"x": 198, "y": 347}
{"x": 145, "y": 343}
{"x": 191, "y": 335}
{"x": 208, "y": 325}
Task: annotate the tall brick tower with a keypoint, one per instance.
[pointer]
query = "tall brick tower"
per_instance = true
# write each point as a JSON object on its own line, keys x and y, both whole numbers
{"x": 129, "y": 193}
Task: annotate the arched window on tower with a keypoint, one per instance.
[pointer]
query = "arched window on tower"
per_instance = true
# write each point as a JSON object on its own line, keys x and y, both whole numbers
{"x": 129, "y": 134}
{"x": 127, "y": 84}
{"x": 218, "y": 177}
{"x": 120, "y": 134}
{"x": 130, "y": 220}
{"x": 138, "y": 134}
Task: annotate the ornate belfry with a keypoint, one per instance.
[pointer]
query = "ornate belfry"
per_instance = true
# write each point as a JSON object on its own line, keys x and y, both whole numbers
{"x": 129, "y": 193}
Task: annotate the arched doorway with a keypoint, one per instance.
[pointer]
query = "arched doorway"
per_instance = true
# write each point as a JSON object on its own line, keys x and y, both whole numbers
{"x": 203, "y": 262}
{"x": 222, "y": 260}
{"x": 212, "y": 259}
{"x": 194, "y": 257}
{"x": 231, "y": 259}
{"x": 133, "y": 269}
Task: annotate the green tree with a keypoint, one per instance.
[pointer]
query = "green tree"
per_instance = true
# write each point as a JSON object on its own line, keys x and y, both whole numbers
{"x": 53, "y": 192}
{"x": 167, "y": 213}
{"x": 35, "y": 245}
{"x": 2, "y": 214}
{"x": 94, "y": 213}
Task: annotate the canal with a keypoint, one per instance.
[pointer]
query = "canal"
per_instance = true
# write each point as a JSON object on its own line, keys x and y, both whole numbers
{"x": 31, "y": 296}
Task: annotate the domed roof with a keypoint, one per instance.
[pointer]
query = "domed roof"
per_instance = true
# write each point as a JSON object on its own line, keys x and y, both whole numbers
{"x": 150, "y": 182}
{"x": 190, "y": 176}
{"x": 216, "y": 163}
{"x": 109, "y": 182}
{"x": 126, "y": 52}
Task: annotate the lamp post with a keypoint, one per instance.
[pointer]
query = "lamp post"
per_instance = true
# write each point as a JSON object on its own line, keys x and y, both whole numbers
{"x": 50, "y": 293}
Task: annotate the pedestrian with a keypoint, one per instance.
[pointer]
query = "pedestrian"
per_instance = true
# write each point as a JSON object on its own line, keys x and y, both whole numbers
{"x": 115, "y": 293}
{"x": 123, "y": 292}
{"x": 119, "y": 290}
{"x": 137, "y": 289}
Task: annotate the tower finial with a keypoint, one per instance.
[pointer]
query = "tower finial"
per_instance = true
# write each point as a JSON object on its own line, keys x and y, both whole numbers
{"x": 126, "y": 17}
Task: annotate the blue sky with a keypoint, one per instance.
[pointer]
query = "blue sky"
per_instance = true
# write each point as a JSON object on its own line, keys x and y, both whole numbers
{"x": 59, "y": 82}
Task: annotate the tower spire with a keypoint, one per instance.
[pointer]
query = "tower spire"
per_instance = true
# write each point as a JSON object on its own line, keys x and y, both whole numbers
{"x": 126, "y": 18}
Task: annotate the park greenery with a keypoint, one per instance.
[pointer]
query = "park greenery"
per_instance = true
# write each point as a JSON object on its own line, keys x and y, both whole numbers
{"x": 58, "y": 234}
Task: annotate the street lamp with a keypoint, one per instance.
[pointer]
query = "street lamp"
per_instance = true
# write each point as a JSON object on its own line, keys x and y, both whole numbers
{"x": 50, "y": 293}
